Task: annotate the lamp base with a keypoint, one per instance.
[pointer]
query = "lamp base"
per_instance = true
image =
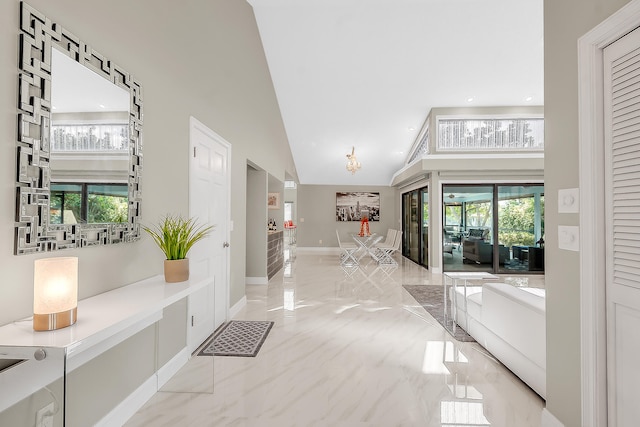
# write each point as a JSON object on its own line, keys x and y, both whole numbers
{"x": 50, "y": 322}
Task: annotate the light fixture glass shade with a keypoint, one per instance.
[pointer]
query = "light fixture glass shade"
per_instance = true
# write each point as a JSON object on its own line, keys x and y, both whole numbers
{"x": 353, "y": 164}
{"x": 55, "y": 293}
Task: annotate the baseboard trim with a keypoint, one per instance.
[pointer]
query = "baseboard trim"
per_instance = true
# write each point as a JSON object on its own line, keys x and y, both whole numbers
{"x": 131, "y": 404}
{"x": 256, "y": 280}
{"x": 548, "y": 420}
{"x": 172, "y": 366}
{"x": 237, "y": 307}
{"x": 318, "y": 250}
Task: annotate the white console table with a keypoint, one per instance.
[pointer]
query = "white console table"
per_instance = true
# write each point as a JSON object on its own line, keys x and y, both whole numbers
{"x": 104, "y": 321}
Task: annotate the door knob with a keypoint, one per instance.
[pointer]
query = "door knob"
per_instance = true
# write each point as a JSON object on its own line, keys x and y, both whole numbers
{"x": 225, "y": 245}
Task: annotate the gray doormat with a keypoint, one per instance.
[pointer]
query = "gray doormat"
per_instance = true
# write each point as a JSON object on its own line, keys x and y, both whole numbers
{"x": 431, "y": 298}
{"x": 242, "y": 338}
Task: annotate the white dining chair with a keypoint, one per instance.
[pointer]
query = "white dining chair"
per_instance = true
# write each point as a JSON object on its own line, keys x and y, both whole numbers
{"x": 385, "y": 253}
{"x": 391, "y": 235}
{"x": 347, "y": 251}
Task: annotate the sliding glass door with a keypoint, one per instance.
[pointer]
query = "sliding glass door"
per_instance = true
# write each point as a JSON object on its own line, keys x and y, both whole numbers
{"x": 521, "y": 227}
{"x": 467, "y": 238}
{"x": 415, "y": 226}
{"x": 424, "y": 242}
{"x": 493, "y": 227}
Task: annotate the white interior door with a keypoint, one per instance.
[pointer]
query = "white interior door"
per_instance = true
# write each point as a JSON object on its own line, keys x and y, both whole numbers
{"x": 622, "y": 190}
{"x": 209, "y": 202}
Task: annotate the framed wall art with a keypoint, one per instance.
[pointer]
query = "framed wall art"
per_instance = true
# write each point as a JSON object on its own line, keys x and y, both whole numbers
{"x": 353, "y": 206}
{"x": 273, "y": 200}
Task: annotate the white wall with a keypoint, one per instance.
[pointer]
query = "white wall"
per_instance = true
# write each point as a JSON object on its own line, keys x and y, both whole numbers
{"x": 565, "y": 21}
{"x": 256, "y": 223}
{"x": 200, "y": 58}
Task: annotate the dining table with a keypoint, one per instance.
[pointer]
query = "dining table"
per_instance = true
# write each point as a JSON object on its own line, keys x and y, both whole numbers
{"x": 366, "y": 245}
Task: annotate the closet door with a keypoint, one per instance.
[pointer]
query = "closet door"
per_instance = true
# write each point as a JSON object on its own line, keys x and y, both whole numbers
{"x": 622, "y": 189}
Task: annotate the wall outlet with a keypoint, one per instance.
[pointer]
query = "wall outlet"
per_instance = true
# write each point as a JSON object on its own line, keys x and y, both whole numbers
{"x": 320, "y": 241}
{"x": 44, "y": 416}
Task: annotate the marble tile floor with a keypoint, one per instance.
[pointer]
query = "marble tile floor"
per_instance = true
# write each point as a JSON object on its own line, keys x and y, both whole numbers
{"x": 348, "y": 348}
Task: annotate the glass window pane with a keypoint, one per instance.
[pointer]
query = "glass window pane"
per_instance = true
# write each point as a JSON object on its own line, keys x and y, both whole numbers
{"x": 288, "y": 211}
{"x": 107, "y": 203}
{"x": 424, "y": 244}
{"x": 521, "y": 227}
{"x": 66, "y": 204}
{"x": 467, "y": 241}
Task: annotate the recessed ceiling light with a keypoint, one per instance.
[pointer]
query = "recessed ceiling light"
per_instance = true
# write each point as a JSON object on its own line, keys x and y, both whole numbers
{"x": 529, "y": 98}
{"x": 411, "y": 128}
{"x": 470, "y": 99}
{"x": 102, "y": 106}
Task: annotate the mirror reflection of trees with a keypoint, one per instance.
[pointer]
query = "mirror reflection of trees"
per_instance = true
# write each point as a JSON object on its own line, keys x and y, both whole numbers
{"x": 88, "y": 203}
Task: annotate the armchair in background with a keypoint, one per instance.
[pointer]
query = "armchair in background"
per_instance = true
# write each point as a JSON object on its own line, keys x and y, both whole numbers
{"x": 448, "y": 243}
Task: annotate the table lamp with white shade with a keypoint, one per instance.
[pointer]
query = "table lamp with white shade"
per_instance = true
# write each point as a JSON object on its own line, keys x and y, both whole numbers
{"x": 55, "y": 293}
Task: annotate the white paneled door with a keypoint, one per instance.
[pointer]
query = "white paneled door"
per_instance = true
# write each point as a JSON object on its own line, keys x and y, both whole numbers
{"x": 622, "y": 192}
{"x": 209, "y": 202}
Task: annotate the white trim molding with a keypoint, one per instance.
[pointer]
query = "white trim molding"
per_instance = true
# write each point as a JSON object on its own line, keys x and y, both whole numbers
{"x": 130, "y": 405}
{"x": 172, "y": 367}
{"x": 256, "y": 280}
{"x": 319, "y": 250}
{"x": 235, "y": 309}
{"x": 592, "y": 237}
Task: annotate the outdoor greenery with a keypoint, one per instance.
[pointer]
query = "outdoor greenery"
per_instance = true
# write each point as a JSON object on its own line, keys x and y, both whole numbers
{"x": 479, "y": 214}
{"x": 453, "y": 214}
{"x": 516, "y": 221}
{"x": 100, "y": 208}
{"x": 175, "y": 235}
{"x": 107, "y": 209}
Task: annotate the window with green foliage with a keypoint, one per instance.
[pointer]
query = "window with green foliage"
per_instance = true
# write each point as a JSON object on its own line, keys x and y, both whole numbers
{"x": 88, "y": 203}
{"x": 508, "y": 219}
{"x": 452, "y": 214}
{"x": 478, "y": 214}
{"x": 520, "y": 215}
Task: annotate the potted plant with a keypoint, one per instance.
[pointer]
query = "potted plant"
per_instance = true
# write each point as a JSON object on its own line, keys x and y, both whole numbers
{"x": 175, "y": 236}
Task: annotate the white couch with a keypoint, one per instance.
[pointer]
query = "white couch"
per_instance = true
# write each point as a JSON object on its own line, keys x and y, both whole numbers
{"x": 508, "y": 321}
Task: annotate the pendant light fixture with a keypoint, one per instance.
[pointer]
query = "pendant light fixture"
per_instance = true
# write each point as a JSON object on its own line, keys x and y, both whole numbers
{"x": 353, "y": 164}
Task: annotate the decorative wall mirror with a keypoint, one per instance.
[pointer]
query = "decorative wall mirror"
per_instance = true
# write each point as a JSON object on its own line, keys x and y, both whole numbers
{"x": 79, "y": 144}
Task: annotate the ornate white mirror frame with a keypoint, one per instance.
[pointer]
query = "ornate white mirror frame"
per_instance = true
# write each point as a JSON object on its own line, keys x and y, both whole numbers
{"x": 33, "y": 231}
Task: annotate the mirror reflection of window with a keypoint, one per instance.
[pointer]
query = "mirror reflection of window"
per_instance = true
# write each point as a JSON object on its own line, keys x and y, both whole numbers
{"x": 66, "y": 204}
{"x": 88, "y": 203}
{"x": 89, "y": 146}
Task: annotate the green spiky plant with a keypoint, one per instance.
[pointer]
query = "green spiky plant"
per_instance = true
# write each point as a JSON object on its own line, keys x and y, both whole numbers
{"x": 175, "y": 235}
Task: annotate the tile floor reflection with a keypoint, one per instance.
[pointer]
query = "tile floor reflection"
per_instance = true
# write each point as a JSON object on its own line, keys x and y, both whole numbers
{"x": 349, "y": 348}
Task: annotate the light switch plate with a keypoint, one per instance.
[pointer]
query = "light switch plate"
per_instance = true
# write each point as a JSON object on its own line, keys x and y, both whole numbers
{"x": 569, "y": 200}
{"x": 569, "y": 237}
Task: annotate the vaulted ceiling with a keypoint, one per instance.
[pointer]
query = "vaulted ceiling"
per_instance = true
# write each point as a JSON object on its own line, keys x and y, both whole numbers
{"x": 365, "y": 73}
